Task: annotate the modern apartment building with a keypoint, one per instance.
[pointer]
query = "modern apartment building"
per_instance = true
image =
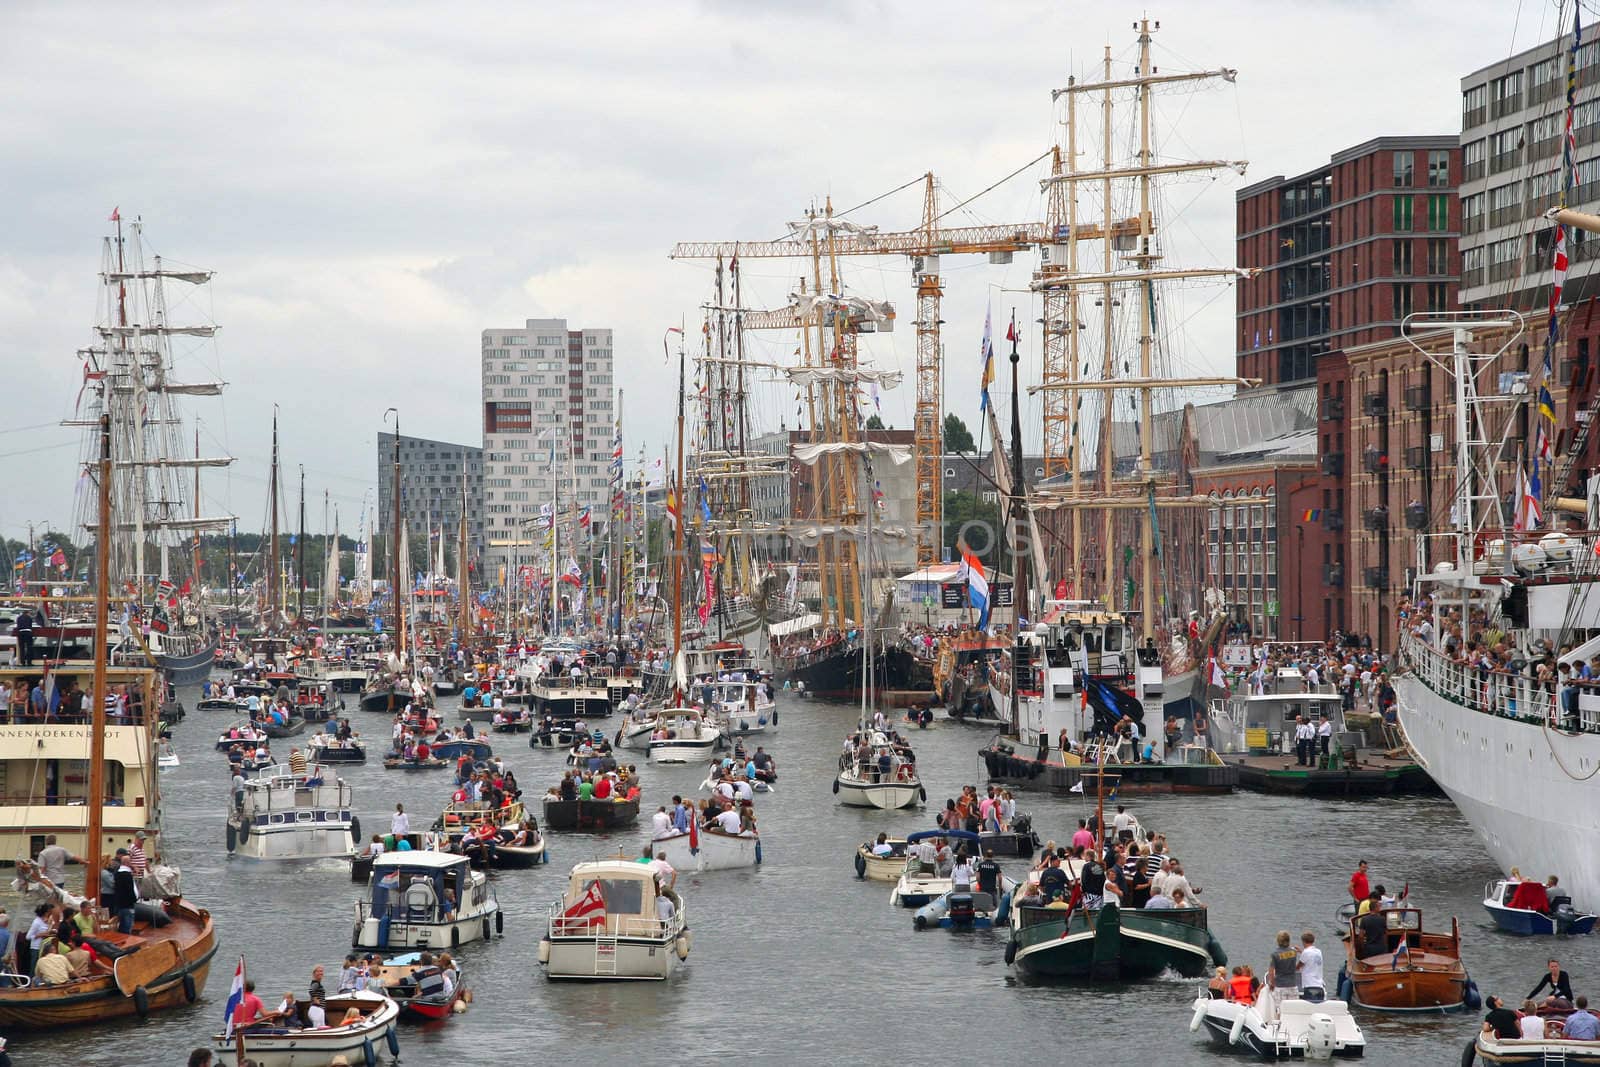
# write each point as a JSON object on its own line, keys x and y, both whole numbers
{"x": 1346, "y": 252}
{"x": 431, "y": 477}
{"x": 1512, "y": 116}
{"x": 547, "y": 391}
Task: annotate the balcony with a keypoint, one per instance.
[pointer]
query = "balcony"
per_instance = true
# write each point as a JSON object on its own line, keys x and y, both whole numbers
{"x": 1375, "y": 461}
{"x": 1416, "y": 458}
{"x": 1475, "y": 117}
{"x": 1376, "y": 577}
{"x": 1375, "y": 405}
{"x": 1333, "y": 464}
{"x": 1416, "y": 516}
{"x": 1333, "y": 574}
{"x": 1332, "y": 409}
{"x": 1332, "y": 519}
{"x": 1375, "y": 519}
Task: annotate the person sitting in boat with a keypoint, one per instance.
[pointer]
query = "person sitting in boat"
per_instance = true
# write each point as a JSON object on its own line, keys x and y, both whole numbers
{"x": 881, "y": 848}
{"x": 1531, "y": 896}
{"x": 1241, "y": 987}
{"x": 1556, "y": 980}
{"x": 1582, "y": 1024}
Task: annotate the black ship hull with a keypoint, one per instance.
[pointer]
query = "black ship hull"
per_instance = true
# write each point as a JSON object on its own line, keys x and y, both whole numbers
{"x": 841, "y": 676}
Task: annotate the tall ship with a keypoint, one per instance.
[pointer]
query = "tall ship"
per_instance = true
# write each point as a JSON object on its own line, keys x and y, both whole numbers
{"x": 150, "y": 355}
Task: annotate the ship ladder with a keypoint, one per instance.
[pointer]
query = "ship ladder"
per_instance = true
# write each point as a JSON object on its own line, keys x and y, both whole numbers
{"x": 1585, "y": 420}
{"x": 605, "y": 956}
{"x": 1555, "y": 1057}
{"x": 580, "y": 708}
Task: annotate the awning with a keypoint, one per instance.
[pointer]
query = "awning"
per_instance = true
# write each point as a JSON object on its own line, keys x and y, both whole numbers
{"x": 794, "y": 626}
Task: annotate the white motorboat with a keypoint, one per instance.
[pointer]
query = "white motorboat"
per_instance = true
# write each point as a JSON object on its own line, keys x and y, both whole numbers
{"x": 609, "y": 924}
{"x": 276, "y": 1045}
{"x": 756, "y": 785}
{"x": 919, "y": 883}
{"x": 1272, "y": 1030}
{"x": 745, "y": 707}
{"x": 635, "y": 731}
{"x": 683, "y": 735}
{"x": 166, "y": 755}
{"x": 285, "y": 816}
{"x": 878, "y": 775}
{"x": 425, "y": 900}
{"x": 710, "y": 850}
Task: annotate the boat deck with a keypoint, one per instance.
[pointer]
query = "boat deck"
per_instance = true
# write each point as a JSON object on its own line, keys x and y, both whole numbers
{"x": 1374, "y": 773}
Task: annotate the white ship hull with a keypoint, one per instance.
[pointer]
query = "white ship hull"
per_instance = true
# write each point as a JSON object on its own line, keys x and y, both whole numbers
{"x": 1503, "y": 775}
{"x": 888, "y": 796}
{"x": 298, "y": 843}
{"x": 717, "y": 851}
{"x": 684, "y": 749}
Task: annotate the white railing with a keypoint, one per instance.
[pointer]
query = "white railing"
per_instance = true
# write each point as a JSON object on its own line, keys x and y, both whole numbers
{"x": 561, "y": 925}
{"x": 1501, "y": 693}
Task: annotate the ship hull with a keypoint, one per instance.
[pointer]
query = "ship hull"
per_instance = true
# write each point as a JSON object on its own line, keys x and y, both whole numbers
{"x": 1503, "y": 775}
{"x": 839, "y": 676}
{"x": 191, "y": 669}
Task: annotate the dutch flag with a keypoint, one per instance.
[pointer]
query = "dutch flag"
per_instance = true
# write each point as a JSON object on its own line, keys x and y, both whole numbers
{"x": 235, "y": 997}
{"x": 977, "y": 586}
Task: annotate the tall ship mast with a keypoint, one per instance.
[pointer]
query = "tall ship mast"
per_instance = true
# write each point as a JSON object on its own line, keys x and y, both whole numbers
{"x": 151, "y": 354}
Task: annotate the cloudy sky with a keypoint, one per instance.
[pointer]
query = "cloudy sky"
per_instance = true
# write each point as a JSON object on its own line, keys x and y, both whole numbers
{"x": 375, "y": 184}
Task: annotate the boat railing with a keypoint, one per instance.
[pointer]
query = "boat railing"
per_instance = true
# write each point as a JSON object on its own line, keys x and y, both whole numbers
{"x": 1504, "y": 694}
{"x": 564, "y": 925}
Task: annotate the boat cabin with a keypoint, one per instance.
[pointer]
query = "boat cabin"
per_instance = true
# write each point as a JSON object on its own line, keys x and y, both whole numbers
{"x": 627, "y": 894}
{"x": 420, "y": 888}
{"x": 1265, "y": 723}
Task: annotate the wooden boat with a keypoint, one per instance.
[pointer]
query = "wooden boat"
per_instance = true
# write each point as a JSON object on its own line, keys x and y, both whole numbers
{"x": 472, "y": 747}
{"x": 399, "y": 763}
{"x": 273, "y": 1045}
{"x": 709, "y": 850}
{"x": 589, "y": 814}
{"x": 400, "y": 985}
{"x": 1410, "y": 970}
{"x": 385, "y": 698}
{"x": 881, "y": 868}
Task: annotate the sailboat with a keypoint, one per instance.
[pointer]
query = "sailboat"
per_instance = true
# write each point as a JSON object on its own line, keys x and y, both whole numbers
{"x": 152, "y": 968}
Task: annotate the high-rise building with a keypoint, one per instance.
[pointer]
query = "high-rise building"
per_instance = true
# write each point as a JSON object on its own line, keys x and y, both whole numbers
{"x": 1512, "y": 118}
{"x": 547, "y": 392}
{"x": 431, "y": 477}
{"x": 1347, "y": 251}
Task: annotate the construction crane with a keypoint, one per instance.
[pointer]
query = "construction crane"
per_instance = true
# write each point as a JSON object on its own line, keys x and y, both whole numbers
{"x": 923, "y": 246}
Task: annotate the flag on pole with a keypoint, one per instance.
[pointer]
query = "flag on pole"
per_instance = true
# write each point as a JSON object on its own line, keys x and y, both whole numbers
{"x": 1547, "y": 406}
{"x": 1011, "y": 331}
{"x": 988, "y": 361}
{"x": 235, "y": 998}
{"x": 977, "y": 585}
{"x": 1569, "y": 157}
{"x": 587, "y": 910}
{"x": 705, "y": 500}
{"x": 1541, "y": 444}
{"x": 672, "y": 509}
{"x": 1528, "y": 515}
{"x": 1218, "y": 679}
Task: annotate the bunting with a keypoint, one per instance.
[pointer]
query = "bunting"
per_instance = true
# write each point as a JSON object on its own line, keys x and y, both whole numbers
{"x": 1569, "y": 150}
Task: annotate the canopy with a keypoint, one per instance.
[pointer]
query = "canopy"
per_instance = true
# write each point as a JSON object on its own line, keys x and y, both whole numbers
{"x": 794, "y": 626}
{"x": 959, "y": 835}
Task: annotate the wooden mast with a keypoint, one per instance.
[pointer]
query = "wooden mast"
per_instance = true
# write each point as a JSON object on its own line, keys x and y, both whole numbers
{"x": 97, "y": 734}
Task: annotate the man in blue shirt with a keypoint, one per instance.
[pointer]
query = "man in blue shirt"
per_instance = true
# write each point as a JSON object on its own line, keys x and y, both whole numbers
{"x": 36, "y": 701}
{"x": 1582, "y": 1024}
{"x": 680, "y": 815}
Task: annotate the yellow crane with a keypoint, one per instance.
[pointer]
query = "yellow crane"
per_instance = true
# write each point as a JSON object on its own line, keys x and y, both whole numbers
{"x": 923, "y": 246}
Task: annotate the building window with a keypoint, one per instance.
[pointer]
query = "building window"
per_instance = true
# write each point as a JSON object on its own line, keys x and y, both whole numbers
{"x": 1401, "y": 299}
{"x": 1438, "y": 169}
{"x": 1438, "y": 256}
{"x": 1473, "y": 102}
{"x": 1402, "y": 170}
{"x": 1402, "y": 258}
{"x": 1402, "y": 214}
{"x": 1438, "y": 296}
{"x": 1438, "y": 213}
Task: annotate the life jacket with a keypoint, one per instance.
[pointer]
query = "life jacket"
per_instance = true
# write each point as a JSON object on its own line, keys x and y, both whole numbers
{"x": 1239, "y": 989}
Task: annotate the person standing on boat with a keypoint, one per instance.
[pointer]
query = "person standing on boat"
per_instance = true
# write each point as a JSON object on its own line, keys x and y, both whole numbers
{"x": 1283, "y": 968}
{"x": 23, "y": 628}
{"x": 399, "y": 822}
{"x": 1309, "y": 967}
{"x": 124, "y": 893}
{"x": 1360, "y": 889}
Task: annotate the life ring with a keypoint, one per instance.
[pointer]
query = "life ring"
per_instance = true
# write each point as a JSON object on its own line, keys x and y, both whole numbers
{"x": 499, "y": 922}
{"x": 1237, "y": 1030}
{"x": 355, "y": 828}
{"x": 141, "y": 1001}
{"x": 1199, "y": 1016}
{"x": 190, "y": 992}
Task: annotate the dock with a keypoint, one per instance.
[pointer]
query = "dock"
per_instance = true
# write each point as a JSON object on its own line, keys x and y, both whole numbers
{"x": 1125, "y": 779}
{"x": 1373, "y": 773}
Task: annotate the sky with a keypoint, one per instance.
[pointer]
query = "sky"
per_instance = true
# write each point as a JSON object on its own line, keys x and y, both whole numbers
{"x": 375, "y": 184}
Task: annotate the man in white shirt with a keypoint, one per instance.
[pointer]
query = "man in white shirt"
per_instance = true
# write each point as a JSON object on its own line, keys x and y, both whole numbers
{"x": 1324, "y": 735}
{"x": 925, "y": 852}
{"x": 728, "y": 821}
{"x": 660, "y": 825}
{"x": 1310, "y": 968}
{"x": 1122, "y": 821}
{"x": 1304, "y": 735}
{"x": 666, "y": 874}
{"x": 882, "y": 847}
{"x": 742, "y": 790}
{"x": 399, "y": 822}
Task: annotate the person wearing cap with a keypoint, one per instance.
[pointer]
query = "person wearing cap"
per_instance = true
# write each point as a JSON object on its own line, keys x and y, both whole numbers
{"x": 137, "y": 861}
{"x": 124, "y": 893}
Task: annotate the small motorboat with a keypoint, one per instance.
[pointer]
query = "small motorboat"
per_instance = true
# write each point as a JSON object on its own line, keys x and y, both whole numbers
{"x": 421, "y": 991}
{"x": 886, "y": 868}
{"x": 607, "y": 925}
{"x": 324, "y": 747}
{"x": 395, "y": 762}
{"x": 274, "y": 1045}
{"x": 232, "y": 705}
{"x": 968, "y": 908}
{"x": 1020, "y": 841}
{"x": 471, "y": 747}
{"x": 241, "y": 733}
{"x": 560, "y": 815}
{"x": 865, "y": 783}
{"x": 166, "y": 755}
{"x": 1292, "y": 1028}
{"x": 918, "y": 883}
{"x": 683, "y": 735}
{"x": 294, "y": 724}
{"x": 709, "y": 850}
{"x": 1533, "y": 909}
{"x": 1405, "y": 968}
{"x": 425, "y": 899}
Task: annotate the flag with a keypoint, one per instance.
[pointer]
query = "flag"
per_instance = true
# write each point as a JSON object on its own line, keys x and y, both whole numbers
{"x": 116, "y": 216}
{"x": 1541, "y": 444}
{"x": 235, "y": 998}
{"x": 58, "y": 559}
{"x": 1547, "y": 406}
{"x": 1312, "y": 515}
{"x": 573, "y": 574}
{"x": 1403, "y": 950}
{"x": 1011, "y": 331}
{"x": 708, "y": 566}
{"x": 672, "y": 509}
{"x": 165, "y": 587}
{"x": 988, "y": 363}
{"x": 590, "y": 908}
{"x": 655, "y": 475}
{"x": 186, "y": 589}
{"x": 1218, "y": 679}
{"x": 1527, "y": 514}
{"x": 705, "y": 500}
{"x": 585, "y": 520}
{"x": 977, "y": 585}
{"x": 1111, "y": 703}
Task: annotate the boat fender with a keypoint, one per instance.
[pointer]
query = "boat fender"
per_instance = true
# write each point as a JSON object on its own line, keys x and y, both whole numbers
{"x": 544, "y": 950}
{"x": 190, "y": 992}
{"x": 836, "y": 785}
{"x": 861, "y": 865}
{"x": 499, "y": 922}
{"x": 1199, "y": 1015}
{"x": 1469, "y": 1053}
{"x": 1004, "y": 911}
{"x": 774, "y": 716}
{"x": 244, "y": 830}
{"x": 1473, "y": 1000}
{"x": 682, "y": 945}
{"x": 1237, "y": 1029}
{"x": 1011, "y": 952}
{"x": 455, "y": 937}
{"x": 355, "y": 828}
{"x": 141, "y": 1001}
{"x": 369, "y": 1055}
{"x": 486, "y": 933}
{"x": 1347, "y": 989}
{"x": 393, "y": 1040}
{"x": 758, "y": 852}
{"x": 920, "y": 921}
{"x": 922, "y": 790}
{"x": 233, "y": 837}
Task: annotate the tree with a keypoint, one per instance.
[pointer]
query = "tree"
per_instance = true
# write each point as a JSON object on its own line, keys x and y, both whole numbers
{"x": 957, "y": 438}
{"x": 874, "y": 423}
{"x": 980, "y": 517}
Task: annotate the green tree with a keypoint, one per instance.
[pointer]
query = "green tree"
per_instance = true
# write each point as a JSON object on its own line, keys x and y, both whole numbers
{"x": 981, "y": 520}
{"x": 957, "y": 438}
{"x": 874, "y": 423}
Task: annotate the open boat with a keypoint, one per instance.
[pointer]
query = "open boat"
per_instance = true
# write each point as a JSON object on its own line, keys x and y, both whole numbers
{"x": 709, "y": 850}
{"x": 1272, "y": 1030}
{"x": 323, "y": 747}
{"x": 589, "y": 814}
{"x": 1529, "y": 909}
{"x": 1553, "y": 1048}
{"x": 1111, "y": 943}
{"x": 1407, "y": 968}
{"x": 420, "y": 990}
{"x": 608, "y": 925}
{"x": 274, "y": 1045}
{"x": 683, "y": 735}
{"x": 875, "y": 868}
{"x": 919, "y": 883}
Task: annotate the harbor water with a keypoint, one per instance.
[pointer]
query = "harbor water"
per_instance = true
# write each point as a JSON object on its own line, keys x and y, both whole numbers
{"x": 802, "y": 962}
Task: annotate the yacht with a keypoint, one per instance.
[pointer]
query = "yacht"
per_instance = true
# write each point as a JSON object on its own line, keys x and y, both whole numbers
{"x": 286, "y": 816}
{"x": 429, "y": 900}
{"x": 862, "y": 782}
{"x": 609, "y": 925}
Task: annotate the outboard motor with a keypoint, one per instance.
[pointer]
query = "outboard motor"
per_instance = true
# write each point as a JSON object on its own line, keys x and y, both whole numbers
{"x": 1562, "y": 913}
{"x": 1321, "y": 1036}
{"x": 961, "y": 912}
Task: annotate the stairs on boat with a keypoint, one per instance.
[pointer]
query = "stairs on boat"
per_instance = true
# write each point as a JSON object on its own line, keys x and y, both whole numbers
{"x": 605, "y": 956}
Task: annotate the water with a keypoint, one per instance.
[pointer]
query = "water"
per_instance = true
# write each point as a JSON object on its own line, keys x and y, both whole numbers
{"x": 801, "y": 961}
